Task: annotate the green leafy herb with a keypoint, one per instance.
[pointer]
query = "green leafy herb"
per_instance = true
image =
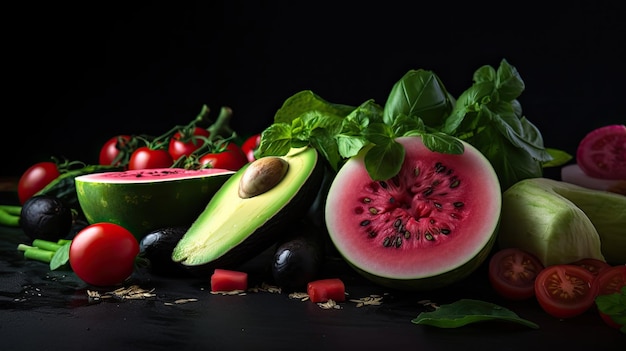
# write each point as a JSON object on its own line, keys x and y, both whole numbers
{"x": 61, "y": 257}
{"x": 467, "y": 311}
{"x": 487, "y": 115}
{"x": 56, "y": 254}
{"x": 614, "y": 305}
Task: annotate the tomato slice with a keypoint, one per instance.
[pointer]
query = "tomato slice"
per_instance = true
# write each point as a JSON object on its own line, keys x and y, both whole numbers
{"x": 228, "y": 280}
{"x": 602, "y": 152}
{"x": 565, "y": 290}
{"x": 512, "y": 273}
{"x": 593, "y": 265}
{"x": 611, "y": 280}
{"x": 323, "y": 290}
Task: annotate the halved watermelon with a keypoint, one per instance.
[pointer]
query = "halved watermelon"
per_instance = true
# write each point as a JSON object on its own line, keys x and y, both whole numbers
{"x": 148, "y": 199}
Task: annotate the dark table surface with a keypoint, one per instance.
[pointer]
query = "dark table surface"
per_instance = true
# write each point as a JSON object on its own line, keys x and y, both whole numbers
{"x": 46, "y": 310}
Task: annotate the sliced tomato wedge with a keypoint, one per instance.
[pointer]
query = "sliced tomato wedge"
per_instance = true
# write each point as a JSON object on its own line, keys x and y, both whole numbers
{"x": 602, "y": 152}
{"x": 593, "y": 265}
{"x": 610, "y": 281}
{"x": 565, "y": 290}
{"x": 512, "y": 273}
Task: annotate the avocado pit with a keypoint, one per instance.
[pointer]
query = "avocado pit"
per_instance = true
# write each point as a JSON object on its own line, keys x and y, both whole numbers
{"x": 262, "y": 175}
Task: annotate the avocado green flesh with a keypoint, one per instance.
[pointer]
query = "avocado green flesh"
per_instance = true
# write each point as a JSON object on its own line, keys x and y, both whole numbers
{"x": 229, "y": 220}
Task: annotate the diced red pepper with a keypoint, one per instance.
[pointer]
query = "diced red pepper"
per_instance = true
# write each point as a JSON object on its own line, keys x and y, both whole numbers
{"x": 228, "y": 280}
{"x": 323, "y": 290}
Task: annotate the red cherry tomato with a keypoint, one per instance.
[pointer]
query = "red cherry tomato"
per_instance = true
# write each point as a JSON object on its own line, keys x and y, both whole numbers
{"x": 250, "y": 145}
{"x": 600, "y": 154}
{"x": 593, "y": 265}
{"x": 183, "y": 145}
{"x": 147, "y": 158}
{"x": 565, "y": 290}
{"x": 111, "y": 149}
{"x": 232, "y": 158}
{"x": 610, "y": 281}
{"x": 35, "y": 178}
{"x": 103, "y": 254}
{"x": 512, "y": 273}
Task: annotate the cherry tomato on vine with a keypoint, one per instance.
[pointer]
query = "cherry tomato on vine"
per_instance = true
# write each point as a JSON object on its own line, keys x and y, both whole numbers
{"x": 565, "y": 290}
{"x": 232, "y": 158}
{"x": 183, "y": 145}
{"x": 103, "y": 254}
{"x": 512, "y": 273}
{"x": 146, "y": 158}
{"x": 250, "y": 145}
{"x": 111, "y": 149}
{"x": 35, "y": 178}
{"x": 593, "y": 265}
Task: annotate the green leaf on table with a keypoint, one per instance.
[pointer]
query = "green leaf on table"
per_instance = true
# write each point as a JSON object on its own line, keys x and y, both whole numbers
{"x": 61, "y": 257}
{"x": 467, "y": 311}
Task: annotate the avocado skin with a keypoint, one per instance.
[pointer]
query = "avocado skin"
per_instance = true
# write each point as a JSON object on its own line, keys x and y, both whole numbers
{"x": 157, "y": 248}
{"x": 299, "y": 257}
{"x": 273, "y": 230}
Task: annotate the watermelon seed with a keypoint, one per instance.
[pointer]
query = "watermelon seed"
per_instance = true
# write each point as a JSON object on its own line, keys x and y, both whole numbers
{"x": 397, "y": 223}
{"x": 387, "y": 242}
{"x": 365, "y": 222}
{"x": 383, "y": 184}
{"x": 458, "y": 204}
{"x": 428, "y": 191}
{"x": 455, "y": 182}
{"x": 445, "y": 231}
{"x": 429, "y": 236}
{"x": 398, "y": 242}
{"x": 373, "y": 210}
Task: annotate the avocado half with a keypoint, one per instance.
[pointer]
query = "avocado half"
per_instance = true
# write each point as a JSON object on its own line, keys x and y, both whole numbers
{"x": 232, "y": 230}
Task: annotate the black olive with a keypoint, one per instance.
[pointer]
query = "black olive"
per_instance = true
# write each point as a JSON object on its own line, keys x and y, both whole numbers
{"x": 157, "y": 247}
{"x": 46, "y": 217}
{"x": 298, "y": 259}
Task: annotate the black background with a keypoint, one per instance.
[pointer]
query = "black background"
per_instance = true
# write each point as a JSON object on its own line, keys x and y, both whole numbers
{"x": 77, "y": 75}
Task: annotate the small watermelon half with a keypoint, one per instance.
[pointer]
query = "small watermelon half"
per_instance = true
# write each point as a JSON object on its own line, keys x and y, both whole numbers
{"x": 148, "y": 199}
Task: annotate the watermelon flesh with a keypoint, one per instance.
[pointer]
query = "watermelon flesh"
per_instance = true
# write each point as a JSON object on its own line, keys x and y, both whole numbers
{"x": 224, "y": 280}
{"x": 148, "y": 199}
{"x": 428, "y": 227}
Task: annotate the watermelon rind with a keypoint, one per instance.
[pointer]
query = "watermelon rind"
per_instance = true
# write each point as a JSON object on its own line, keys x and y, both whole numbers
{"x": 150, "y": 199}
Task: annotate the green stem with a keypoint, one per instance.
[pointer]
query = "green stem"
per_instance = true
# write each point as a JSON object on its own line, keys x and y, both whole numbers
{"x": 35, "y": 253}
{"x": 10, "y": 215}
{"x": 46, "y": 245}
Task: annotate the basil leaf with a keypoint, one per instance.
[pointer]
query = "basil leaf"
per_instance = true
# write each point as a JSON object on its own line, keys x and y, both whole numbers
{"x": 306, "y": 101}
{"x": 467, "y": 311}
{"x": 419, "y": 93}
{"x": 275, "y": 140}
{"x": 61, "y": 257}
{"x": 384, "y": 161}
